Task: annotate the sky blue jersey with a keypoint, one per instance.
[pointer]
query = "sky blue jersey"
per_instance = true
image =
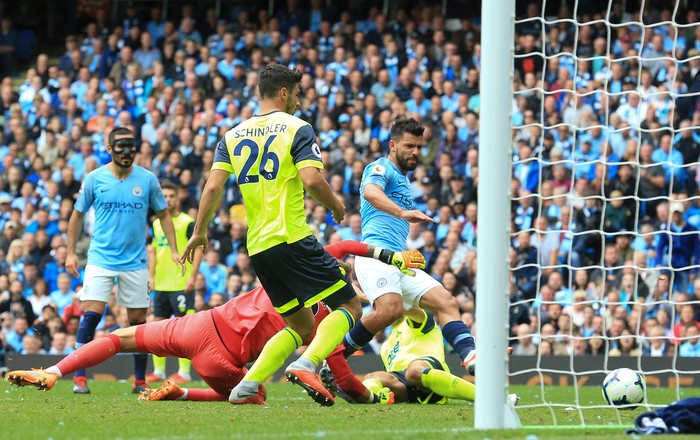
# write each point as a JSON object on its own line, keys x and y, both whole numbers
{"x": 118, "y": 240}
{"x": 378, "y": 227}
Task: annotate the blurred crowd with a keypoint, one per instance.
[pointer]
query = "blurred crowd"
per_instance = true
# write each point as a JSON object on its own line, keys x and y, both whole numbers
{"x": 604, "y": 218}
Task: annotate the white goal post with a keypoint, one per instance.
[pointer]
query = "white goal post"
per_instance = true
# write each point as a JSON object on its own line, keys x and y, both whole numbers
{"x": 612, "y": 141}
{"x": 491, "y": 411}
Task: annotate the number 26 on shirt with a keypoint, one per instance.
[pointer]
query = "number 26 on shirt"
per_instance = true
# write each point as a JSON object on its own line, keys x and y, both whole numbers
{"x": 267, "y": 157}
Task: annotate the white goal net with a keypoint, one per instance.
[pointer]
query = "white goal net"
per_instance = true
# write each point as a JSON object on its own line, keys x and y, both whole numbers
{"x": 605, "y": 212}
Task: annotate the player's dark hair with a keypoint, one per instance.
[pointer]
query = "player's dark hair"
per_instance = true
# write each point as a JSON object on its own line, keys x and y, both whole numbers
{"x": 119, "y": 131}
{"x": 406, "y": 125}
{"x": 276, "y": 76}
{"x": 167, "y": 184}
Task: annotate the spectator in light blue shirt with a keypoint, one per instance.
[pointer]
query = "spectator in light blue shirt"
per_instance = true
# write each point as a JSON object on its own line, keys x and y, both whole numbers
{"x": 671, "y": 160}
{"x": 20, "y": 329}
{"x": 381, "y": 87}
{"x": 418, "y": 103}
{"x": 691, "y": 348}
{"x": 147, "y": 53}
{"x": 77, "y": 161}
{"x": 214, "y": 273}
{"x": 226, "y": 66}
{"x": 450, "y": 100}
{"x": 63, "y": 295}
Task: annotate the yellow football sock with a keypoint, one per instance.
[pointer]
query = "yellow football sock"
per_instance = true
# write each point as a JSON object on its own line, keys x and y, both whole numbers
{"x": 447, "y": 385}
{"x": 158, "y": 364}
{"x": 374, "y": 385}
{"x": 184, "y": 365}
{"x": 329, "y": 334}
{"x": 273, "y": 355}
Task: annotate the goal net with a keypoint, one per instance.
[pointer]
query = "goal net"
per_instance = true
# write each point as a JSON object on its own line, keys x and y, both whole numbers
{"x": 605, "y": 213}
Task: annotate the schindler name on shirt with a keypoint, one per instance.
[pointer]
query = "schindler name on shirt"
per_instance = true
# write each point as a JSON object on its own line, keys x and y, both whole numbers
{"x": 259, "y": 131}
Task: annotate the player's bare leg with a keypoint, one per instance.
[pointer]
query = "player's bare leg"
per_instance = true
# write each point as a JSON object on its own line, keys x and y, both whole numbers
{"x": 387, "y": 386}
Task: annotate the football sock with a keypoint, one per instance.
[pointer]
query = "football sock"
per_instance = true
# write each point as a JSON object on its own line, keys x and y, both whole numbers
{"x": 202, "y": 395}
{"x": 447, "y": 385}
{"x": 88, "y": 355}
{"x": 459, "y": 337}
{"x": 140, "y": 361}
{"x": 273, "y": 355}
{"x": 140, "y": 364}
{"x": 184, "y": 365}
{"x": 374, "y": 385}
{"x": 85, "y": 334}
{"x": 329, "y": 334}
{"x": 159, "y": 366}
{"x": 356, "y": 338}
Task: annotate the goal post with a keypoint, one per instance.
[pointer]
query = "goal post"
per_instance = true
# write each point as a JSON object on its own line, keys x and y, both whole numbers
{"x": 492, "y": 410}
{"x": 605, "y": 139}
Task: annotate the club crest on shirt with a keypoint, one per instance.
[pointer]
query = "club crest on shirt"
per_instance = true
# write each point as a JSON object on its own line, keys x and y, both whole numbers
{"x": 316, "y": 150}
{"x": 378, "y": 169}
{"x": 137, "y": 191}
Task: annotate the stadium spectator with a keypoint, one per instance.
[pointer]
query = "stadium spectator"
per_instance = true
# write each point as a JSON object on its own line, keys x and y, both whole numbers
{"x": 524, "y": 346}
{"x": 691, "y": 348}
{"x": 59, "y": 344}
{"x": 20, "y": 329}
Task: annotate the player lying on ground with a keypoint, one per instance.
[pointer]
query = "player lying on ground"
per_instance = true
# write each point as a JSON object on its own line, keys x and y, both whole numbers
{"x": 416, "y": 371}
{"x": 229, "y": 337}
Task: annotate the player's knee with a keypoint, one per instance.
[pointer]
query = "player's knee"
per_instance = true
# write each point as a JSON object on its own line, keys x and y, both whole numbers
{"x": 372, "y": 375}
{"x": 414, "y": 372}
{"x": 445, "y": 301}
{"x": 354, "y": 308}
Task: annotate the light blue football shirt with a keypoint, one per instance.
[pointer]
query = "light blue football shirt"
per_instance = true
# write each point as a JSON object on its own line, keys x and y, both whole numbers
{"x": 118, "y": 240}
{"x": 378, "y": 227}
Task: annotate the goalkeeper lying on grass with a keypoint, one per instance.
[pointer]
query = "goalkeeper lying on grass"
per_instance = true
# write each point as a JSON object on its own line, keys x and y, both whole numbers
{"x": 227, "y": 338}
{"x": 416, "y": 371}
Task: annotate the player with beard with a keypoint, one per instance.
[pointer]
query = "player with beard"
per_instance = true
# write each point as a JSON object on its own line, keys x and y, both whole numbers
{"x": 121, "y": 194}
{"x": 386, "y": 208}
{"x": 275, "y": 157}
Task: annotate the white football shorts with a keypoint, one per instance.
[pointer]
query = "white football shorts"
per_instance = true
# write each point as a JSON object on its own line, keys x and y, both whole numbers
{"x": 377, "y": 279}
{"x": 133, "y": 291}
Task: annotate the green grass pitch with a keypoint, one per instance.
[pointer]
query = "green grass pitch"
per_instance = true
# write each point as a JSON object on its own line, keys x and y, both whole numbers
{"x": 112, "y": 412}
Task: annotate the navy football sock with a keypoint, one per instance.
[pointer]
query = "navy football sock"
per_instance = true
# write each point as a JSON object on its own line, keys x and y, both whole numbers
{"x": 459, "y": 337}
{"x": 356, "y": 338}
{"x": 140, "y": 362}
{"x": 86, "y": 331}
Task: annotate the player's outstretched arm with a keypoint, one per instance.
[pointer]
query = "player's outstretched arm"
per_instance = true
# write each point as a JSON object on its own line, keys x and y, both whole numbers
{"x": 375, "y": 195}
{"x": 319, "y": 189}
{"x": 75, "y": 226}
{"x": 211, "y": 195}
{"x": 405, "y": 261}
